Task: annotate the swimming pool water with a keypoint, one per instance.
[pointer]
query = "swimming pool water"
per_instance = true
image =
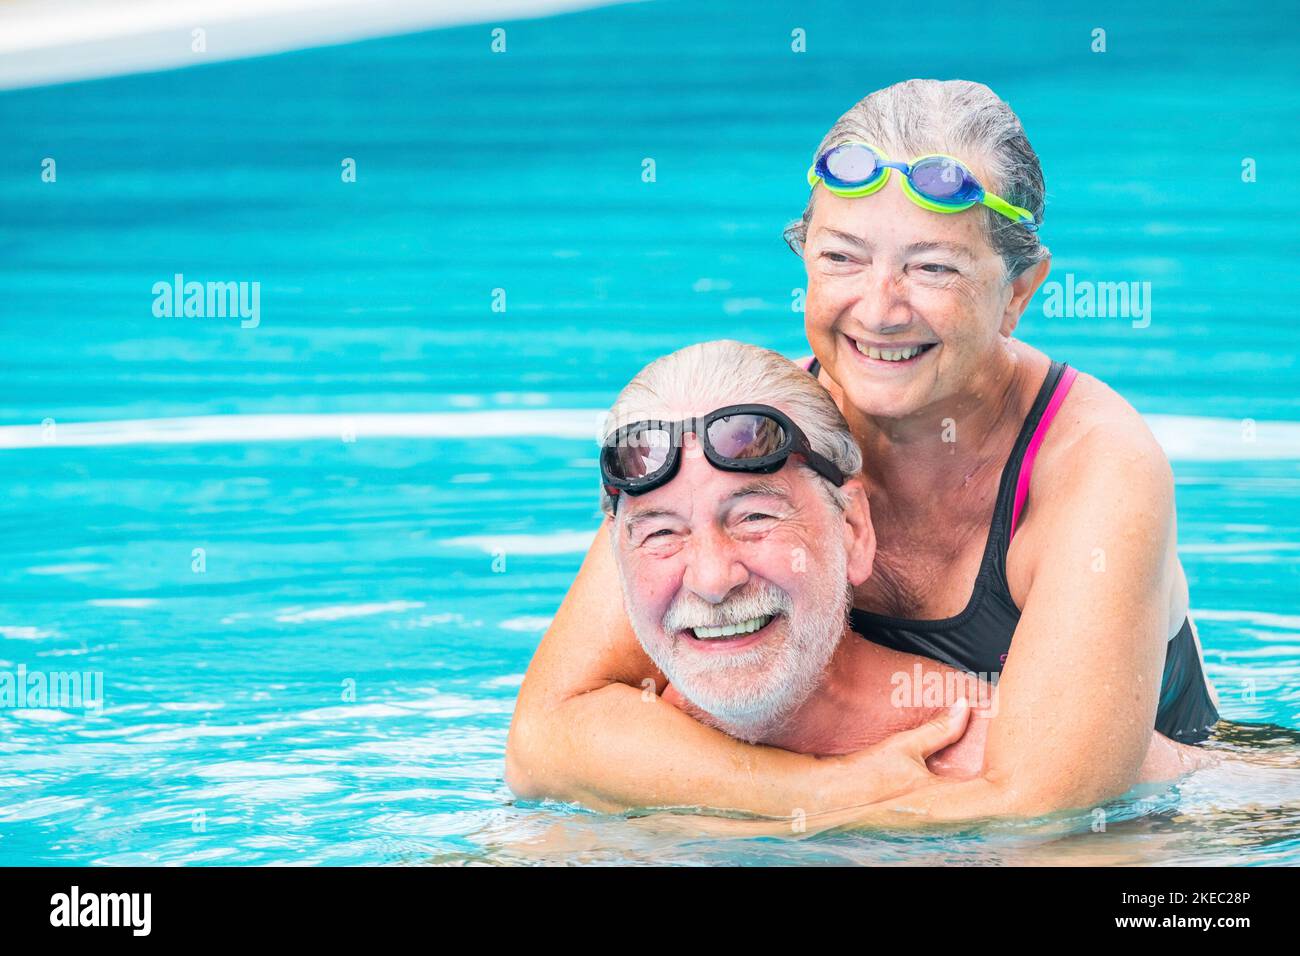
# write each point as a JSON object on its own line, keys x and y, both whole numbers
{"x": 336, "y": 683}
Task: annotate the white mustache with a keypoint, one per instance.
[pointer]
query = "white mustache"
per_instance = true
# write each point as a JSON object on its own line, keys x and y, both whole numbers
{"x": 690, "y": 611}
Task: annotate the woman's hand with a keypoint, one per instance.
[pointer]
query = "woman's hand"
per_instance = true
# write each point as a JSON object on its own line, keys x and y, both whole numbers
{"x": 898, "y": 764}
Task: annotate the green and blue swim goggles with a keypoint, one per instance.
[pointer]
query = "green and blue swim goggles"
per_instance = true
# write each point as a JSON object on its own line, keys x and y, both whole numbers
{"x": 936, "y": 182}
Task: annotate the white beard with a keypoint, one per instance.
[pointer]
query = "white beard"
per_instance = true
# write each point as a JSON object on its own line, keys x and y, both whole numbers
{"x": 750, "y": 694}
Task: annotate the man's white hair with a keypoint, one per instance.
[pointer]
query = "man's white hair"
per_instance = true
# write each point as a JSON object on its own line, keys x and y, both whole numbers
{"x": 695, "y": 380}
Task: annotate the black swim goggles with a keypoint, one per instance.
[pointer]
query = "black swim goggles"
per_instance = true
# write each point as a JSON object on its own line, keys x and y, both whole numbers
{"x": 640, "y": 457}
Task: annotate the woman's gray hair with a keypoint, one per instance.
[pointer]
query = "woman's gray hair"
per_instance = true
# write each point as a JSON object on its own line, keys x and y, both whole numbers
{"x": 960, "y": 118}
{"x": 700, "y": 378}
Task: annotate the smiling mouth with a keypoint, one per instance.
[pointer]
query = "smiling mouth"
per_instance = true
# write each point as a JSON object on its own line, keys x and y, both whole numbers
{"x": 896, "y": 356}
{"x": 731, "y": 632}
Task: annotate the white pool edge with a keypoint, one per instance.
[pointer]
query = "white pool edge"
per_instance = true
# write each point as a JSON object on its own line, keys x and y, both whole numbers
{"x": 1183, "y": 437}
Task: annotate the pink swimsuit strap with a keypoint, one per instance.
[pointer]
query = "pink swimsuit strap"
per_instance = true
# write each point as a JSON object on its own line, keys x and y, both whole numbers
{"x": 1035, "y": 442}
{"x": 1031, "y": 452}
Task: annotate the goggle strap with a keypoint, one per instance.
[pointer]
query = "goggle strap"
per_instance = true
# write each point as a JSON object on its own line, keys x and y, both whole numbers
{"x": 823, "y": 466}
{"x": 998, "y": 204}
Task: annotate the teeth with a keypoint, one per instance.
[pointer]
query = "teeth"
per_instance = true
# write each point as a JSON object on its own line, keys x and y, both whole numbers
{"x": 888, "y": 355}
{"x": 730, "y": 630}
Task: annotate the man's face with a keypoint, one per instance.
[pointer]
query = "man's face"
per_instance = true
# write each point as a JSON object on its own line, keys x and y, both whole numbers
{"x": 738, "y": 585}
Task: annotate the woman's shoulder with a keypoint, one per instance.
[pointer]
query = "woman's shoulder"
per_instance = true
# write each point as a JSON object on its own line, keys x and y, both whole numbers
{"x": 1099, "y": 414}
{"x": 1100, "y": 476}
{"x": 1100, "y": 439}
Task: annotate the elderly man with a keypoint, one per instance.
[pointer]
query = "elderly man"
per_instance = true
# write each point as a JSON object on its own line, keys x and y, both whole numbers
{"x": 739, "y": 530}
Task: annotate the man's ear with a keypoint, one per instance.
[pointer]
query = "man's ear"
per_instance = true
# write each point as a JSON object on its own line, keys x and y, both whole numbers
{"x": 1023, "y": 288}
{"x": 859, "y": 535}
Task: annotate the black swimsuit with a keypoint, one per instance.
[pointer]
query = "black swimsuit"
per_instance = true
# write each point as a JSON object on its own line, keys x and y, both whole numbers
{"x": 978, "y": 639}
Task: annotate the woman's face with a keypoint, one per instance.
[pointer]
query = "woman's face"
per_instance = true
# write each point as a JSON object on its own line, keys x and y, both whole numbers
{"x": 905, "y": 306}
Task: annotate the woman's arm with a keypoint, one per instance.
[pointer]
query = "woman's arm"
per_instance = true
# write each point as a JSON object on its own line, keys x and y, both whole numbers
{"x": 589, "y": 727}
{"x": 1077, "y": 698}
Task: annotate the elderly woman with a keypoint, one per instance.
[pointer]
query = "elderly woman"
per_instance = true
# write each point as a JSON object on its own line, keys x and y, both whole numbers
{"x": 1024, "y": 514}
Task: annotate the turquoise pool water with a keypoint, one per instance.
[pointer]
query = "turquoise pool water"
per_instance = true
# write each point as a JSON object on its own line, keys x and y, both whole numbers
{"x": 335, "y": 684}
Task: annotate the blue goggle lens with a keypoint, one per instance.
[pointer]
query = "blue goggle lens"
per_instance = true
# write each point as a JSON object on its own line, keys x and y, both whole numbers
{"x": 944, "y": 181}
{"x": 850, "y": 165}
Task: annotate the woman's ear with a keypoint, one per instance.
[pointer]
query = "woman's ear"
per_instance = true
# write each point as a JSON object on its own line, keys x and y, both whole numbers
{"x": 859, "y": 535}
{"x": 1023, "y": 288}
